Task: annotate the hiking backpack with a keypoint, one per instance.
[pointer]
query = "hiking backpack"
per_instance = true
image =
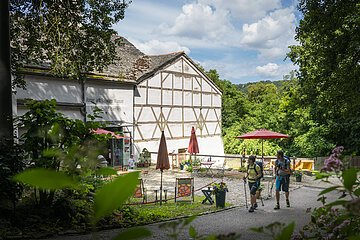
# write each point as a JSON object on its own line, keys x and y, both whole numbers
{"x": 287, "y": 163}
{"x": 260, "y": 164}
{"x": 287, "y": 159}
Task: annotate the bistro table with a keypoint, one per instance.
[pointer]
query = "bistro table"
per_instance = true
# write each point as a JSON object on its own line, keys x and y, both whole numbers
{"x": 207, "y": 166}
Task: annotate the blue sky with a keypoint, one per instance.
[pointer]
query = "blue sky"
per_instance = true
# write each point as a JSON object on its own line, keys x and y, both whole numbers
{"x": 244, "y": 40}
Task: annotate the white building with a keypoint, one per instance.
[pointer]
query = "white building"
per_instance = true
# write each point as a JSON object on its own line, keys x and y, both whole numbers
{"x": 141, "y": 96}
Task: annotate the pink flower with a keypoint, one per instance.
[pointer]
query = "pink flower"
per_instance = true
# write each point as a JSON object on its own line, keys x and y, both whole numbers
{"x": 333, "y": 163}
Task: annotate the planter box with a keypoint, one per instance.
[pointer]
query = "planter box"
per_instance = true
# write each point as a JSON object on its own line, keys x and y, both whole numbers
{"x": 220, "y": 198}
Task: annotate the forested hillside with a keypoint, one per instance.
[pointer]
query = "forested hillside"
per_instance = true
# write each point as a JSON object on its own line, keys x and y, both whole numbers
{"x": 277, "y": 106}
{"x": 320, "y": 107}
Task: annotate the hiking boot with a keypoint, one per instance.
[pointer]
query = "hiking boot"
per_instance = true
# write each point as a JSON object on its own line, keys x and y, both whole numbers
{"x": 255, "y": 206}
{"x": 277, "y": 206}
{"x": 287, "y": 203}
{"x": 251, "y": 209}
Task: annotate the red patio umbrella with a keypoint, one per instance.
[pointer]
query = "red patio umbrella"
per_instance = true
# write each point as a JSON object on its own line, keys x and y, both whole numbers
{"x": 193, "y": 144}
{"x": 262, "y": 134}
{"x": 103, "y": 131}
{"x": 162, "y": 160}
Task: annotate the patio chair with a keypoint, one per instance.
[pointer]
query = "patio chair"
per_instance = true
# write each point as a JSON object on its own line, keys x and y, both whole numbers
{"x": 140, "y": 191}
{"x": 184, "y": 190}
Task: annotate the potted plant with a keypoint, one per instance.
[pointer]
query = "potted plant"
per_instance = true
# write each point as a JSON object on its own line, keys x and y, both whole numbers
{"x": 144, "y": 159}
{"x": 184, "y": 165}
{"x": 219, "y": 190}
{"x": 298, "y": 175}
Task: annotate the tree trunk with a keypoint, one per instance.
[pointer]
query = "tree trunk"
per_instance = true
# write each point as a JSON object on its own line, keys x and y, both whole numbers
{"x": 6, "y": 124}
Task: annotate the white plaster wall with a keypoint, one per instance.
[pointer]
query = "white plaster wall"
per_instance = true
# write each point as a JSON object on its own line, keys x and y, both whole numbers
{"x": 115, "y": 100}
{"x": 211, "y": 145}
{"x": 72, "y": 113}
{"x": 176, "y": 67}
{"x": 40, "y": 88}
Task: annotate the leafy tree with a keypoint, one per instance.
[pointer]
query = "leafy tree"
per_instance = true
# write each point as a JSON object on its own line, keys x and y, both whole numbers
{"x": 328, "y": 57}
{"x": 234, "y": 102}
{"x": 11, "y": 162}
{"x": 53, "y": 141}
{"x": 69, "y": 37}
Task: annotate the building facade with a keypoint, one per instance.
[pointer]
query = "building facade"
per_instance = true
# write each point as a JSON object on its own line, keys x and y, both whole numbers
{"x": 140, "y": 96}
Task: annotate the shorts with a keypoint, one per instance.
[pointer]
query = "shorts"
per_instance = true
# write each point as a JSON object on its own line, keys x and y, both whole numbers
{"x": 254, "y": 187}
{"x": 282, "y": 183}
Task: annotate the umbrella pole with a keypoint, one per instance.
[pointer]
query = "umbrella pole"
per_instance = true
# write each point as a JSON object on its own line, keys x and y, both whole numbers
{"x": 161, "y": 172}
{"x": 262, "y": 151}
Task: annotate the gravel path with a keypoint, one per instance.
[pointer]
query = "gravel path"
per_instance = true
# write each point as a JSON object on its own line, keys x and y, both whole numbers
{"x": 233, "y": 179}
{"x": 303, "y": 197}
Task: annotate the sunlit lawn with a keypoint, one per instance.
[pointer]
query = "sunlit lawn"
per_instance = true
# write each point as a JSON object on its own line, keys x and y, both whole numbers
{"x": 146, "y": 213}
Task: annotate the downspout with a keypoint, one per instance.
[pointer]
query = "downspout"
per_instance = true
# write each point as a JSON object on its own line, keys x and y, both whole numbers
{"x": 83, "y": 98}
{"x": 132, "y": 149}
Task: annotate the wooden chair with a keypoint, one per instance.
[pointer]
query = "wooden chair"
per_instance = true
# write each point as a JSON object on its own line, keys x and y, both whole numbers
{"x": 140, "y": 191}
{"x": 184, "y": 189}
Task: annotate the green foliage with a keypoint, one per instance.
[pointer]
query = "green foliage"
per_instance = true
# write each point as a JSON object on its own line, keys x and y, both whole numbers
{"x": 70, "y": 37}
{"x": 329, "y": 70}
{"x": 114, "y": 194}
{"x": 219, "y": 187}
{"x": 349, "y": 176}
{"x": 51, "y": 140}
{"x": 234, "y": 102}
{"x": 11, "y": 162}
{"x": 45, "y": 179}
{"x": 339, "y": 219}
{"x": 105, "y": 171}
{"x": 145, "y": 156}
{"x": 278, "y": 106}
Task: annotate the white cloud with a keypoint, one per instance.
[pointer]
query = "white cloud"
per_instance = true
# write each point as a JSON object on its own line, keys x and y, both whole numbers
{"x": 245, "y": 9}
{"x": 155, "y": 47}
{"x": 272, "y": 34}
{"x": 239, "y": 38}
{"x": 268, "y": 70}
{"x": 200, "y": 21}
{"x": 238, "y": 70}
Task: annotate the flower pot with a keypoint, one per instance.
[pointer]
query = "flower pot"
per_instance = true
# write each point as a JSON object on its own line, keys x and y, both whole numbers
{"x": 220, "y": 198}
{"x": 298, "y": 178}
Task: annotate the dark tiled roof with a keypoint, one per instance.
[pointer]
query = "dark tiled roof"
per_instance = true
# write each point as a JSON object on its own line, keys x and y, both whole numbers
{"x": 132, "y": 64}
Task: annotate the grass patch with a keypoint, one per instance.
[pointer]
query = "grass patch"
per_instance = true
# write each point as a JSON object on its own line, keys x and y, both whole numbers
{"x": 75, "y": 215}
{"x": 150, "y": 213}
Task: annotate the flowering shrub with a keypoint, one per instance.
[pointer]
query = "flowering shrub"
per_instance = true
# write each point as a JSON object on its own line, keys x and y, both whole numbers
{"x": 297, "y": 173}
{"x": 218, "y": 187}
{"x": 333, "y": 163}
{"x": 330, "y": 221}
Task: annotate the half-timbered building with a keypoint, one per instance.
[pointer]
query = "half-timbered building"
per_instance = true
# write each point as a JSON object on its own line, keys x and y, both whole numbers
{"x": 140, "y": 95}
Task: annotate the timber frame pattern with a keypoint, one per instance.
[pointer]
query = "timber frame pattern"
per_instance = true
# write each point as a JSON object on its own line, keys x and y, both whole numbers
{"x": 175, "y": 99}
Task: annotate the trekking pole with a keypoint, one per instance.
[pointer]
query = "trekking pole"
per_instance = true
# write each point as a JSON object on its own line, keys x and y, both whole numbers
{"x": 272, "y": 185}
{"x": 246, "y": 204}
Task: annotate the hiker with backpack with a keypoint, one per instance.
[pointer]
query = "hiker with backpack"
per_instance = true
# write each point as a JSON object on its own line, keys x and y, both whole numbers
{"x": 282, "y": 178}
{"x": 253, "y": 175}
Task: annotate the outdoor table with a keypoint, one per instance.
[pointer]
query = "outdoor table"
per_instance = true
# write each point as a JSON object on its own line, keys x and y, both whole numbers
{"x": 207, "y": 194}
{"x": 207, "y": 166}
